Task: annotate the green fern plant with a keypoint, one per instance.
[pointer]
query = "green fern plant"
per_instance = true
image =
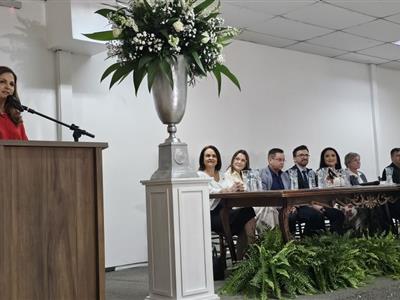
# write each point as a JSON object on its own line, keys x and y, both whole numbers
{"x": 314, "y": 265}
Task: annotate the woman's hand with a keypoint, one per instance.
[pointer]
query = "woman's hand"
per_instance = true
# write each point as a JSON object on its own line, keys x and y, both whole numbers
{"x": 237, "y": 187}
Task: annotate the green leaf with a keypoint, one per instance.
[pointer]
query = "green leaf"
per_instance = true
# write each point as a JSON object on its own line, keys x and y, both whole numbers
{"x": 101, "y": 36}
{"x": 109, "y": 70}
{"x": 121, "y": 72}
{"x": 224, "y": 70}
{"x": 104, "y": 12}
{"x": 148, "y": 6}
{"x": 166, "y": 70}
{"x": 212, "y": 15}
{"x": 198, "y": 61}
{"x": 202, "y": 6}
{"x": 283, "y": 272}
{"x": 152, "y": 71}
{"x": 138, "y": 76}
{"x": 217, "y": 75}
{"x": 144, "y": 60}
{"x": 164, "y": 32}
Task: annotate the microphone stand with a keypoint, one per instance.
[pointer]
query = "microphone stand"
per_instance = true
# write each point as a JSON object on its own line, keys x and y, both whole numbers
{"x": 77, "y": 132}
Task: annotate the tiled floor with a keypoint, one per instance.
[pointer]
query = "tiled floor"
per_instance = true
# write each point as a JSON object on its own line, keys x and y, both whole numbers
{"x": 132, "y": 284}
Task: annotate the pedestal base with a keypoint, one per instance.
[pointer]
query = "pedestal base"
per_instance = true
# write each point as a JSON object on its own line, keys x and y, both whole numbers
{"x": 179, "y": 239}
{"x": 173, "y": 161}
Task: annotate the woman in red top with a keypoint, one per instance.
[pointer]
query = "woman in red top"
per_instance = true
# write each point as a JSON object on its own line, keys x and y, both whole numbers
{"x": 11, "y": 126}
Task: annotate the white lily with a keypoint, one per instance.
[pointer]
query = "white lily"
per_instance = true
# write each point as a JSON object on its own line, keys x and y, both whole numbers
{"x": 173, "y": 41}
{"x": 205, "y": 38}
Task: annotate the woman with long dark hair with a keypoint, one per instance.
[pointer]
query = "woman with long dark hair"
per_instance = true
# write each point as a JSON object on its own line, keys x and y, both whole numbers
{"x": 240, "y": 162}
{"x": 330, "y": 159}
{"x": 11, "y": 126}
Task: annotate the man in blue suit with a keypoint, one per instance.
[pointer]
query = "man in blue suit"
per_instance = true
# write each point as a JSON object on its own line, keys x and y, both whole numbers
{"x": 272, "y": 177}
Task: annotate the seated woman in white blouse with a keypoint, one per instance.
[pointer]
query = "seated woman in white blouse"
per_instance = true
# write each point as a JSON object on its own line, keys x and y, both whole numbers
{"x": 240, "y": 161}
{"x": 241, "y": 221}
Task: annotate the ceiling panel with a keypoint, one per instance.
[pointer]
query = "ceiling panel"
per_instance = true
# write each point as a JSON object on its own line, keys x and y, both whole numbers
{"x": 355, "y": 30}
{"x": 394, "y": 18}
{"x": 395, "y": 65}
{"x": 309, "y": 48}
{"x": 329, "y": 16}
{"x": 387, "y": 51}
{"x": 265, "y": 39}
{"x": 294, "y": 30}
{"x": 380, "y": 30}
{"x": 344, "y": 41}
{"x": 377, "y": 8}
{"x": 365, "y": 59}
{"x": 273, "y": 7}
{"x": 241, "y": 17}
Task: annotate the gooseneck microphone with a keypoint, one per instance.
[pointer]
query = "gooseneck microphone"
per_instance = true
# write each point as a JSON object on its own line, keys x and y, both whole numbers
{"x": 14, "y": 102}
{"x": 77, "y": 132}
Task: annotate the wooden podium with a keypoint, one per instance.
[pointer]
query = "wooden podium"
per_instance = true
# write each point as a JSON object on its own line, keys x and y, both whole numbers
{"x": 51, "y": 221}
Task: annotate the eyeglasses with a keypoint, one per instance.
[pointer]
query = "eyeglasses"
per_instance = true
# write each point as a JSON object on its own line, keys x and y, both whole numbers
{"x": 279, "y": 159}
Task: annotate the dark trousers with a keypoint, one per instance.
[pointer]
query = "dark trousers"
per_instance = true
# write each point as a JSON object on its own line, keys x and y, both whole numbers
{"x": 315, "y": 220}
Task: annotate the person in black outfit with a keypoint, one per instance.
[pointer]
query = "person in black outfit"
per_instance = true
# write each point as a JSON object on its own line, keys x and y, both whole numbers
{"x": 394, "y": 208}
{"x": 312, "y": 215}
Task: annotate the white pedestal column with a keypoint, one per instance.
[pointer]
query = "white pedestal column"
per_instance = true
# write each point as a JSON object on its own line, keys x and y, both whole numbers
{"x": 179, "y": 239}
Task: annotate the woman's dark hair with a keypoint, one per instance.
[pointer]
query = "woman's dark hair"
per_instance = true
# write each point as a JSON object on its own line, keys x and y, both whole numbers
{"x": 202, "y": 166}
{"x": 244, "y": 152}
{"x": 322, "y": 163}
{"x": 12, "y": 112}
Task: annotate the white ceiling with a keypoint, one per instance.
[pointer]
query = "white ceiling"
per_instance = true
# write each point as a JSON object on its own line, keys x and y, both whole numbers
{"x": 356, "y": 30}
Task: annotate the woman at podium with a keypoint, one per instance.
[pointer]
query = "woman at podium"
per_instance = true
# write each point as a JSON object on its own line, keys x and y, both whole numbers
{"x": 11, "y": 126}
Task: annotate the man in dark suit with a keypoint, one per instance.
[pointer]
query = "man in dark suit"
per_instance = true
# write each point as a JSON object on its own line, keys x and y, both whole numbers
{"x": 312, "y": 215}
{"x": 394, "y": 208}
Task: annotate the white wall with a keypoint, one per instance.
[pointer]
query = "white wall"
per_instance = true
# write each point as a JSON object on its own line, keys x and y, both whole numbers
{"x": 389, "y": 112}
{"x": 287, "y": 99}
{"x": 23, "y": 47}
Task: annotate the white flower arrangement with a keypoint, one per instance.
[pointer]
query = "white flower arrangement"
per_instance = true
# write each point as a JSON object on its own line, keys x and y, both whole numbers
{"x": 148, "y": 35}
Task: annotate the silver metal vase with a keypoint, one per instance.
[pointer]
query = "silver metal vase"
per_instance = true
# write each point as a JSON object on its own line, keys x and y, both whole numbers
{"x": 170, "y": 102}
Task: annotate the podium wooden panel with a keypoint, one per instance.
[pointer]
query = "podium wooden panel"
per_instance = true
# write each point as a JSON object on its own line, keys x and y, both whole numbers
{"x": 51, "y": 221}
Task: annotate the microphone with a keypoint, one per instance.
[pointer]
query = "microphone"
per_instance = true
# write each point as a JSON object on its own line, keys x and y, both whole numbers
{"x": 14, "y": 102}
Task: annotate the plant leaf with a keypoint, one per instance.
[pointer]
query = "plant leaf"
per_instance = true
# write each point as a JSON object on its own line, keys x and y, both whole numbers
{"x": 224, "y": 70}
{"x": 212, "y": 15}
{"x": 202, "y": 6}
{"x": 217, "y": 75}
{"x": 138, "y": 76}
{"x": 144, "y": 60}
{"x": 101, "y": 35}
{"x": 104, "y": 12}
{"x": 198, "y": 61}
{"x": 121, "y": 72}
{"x": 166, "y": 70}
{"x": 152, "y": 71}
{"x": 109, "y": 70}
{"x": 148, "y": 6}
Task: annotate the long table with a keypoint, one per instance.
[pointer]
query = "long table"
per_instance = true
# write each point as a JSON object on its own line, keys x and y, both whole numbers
{"x": 284, "y": 200}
